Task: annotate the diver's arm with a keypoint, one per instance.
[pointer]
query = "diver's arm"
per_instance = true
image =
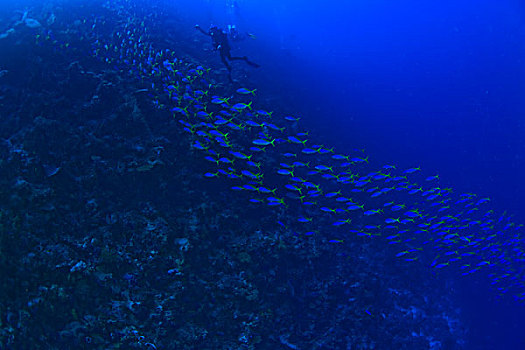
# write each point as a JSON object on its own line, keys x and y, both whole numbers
{"x": 198, "y": 27}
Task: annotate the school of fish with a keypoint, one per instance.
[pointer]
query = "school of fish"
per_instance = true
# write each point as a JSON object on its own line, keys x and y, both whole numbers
{"x": 335, "y": 196}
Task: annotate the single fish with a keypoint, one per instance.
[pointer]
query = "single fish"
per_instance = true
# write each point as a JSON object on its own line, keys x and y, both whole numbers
{"x": 241, "y": 106}
{"x": 244, "y": 91}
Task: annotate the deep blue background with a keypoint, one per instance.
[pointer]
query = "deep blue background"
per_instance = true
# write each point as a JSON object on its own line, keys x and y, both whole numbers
{"x": 436, "y": 84}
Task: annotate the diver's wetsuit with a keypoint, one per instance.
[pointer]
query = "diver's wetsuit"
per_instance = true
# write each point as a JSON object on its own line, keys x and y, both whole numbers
{"x": 221, "y": 43}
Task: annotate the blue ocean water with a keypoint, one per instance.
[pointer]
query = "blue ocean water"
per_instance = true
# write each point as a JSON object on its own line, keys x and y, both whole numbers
{"x": 438, "y": 85}
{"x": 401, "y": 92}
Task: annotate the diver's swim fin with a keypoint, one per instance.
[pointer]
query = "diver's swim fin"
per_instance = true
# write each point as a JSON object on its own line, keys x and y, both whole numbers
{"x": 251, "y": 63}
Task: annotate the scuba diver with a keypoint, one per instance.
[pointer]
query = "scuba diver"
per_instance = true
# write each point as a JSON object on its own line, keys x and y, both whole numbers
{"x": 220, "y": 42}
{"x": 235, "y": 35}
